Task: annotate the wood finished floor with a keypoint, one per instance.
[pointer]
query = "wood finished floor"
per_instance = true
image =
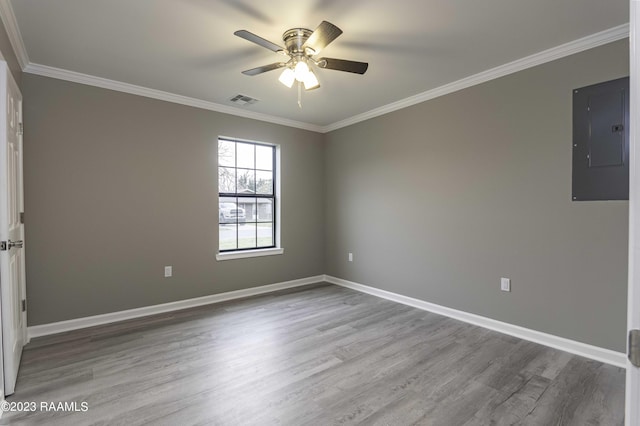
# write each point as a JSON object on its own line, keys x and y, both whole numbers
{"x": 315, "y": 355}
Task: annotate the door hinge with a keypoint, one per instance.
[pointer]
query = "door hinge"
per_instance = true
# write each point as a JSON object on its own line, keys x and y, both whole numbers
{"x": 24, "y": 305}
{"x": 634, "y": 347}
{"x": 20, "y": 129}
{"x": 22, "y": 217}
{"x": 3, "y": 246}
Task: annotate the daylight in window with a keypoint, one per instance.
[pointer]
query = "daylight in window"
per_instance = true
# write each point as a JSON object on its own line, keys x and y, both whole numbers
{"x": 247, "y": 199}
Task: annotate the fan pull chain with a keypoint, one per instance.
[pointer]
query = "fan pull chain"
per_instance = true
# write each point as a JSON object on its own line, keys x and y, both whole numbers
{"x": 300, "y": 95}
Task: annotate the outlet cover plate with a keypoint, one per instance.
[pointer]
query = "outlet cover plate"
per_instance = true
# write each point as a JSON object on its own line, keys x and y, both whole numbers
{"x": 505, "y": 284}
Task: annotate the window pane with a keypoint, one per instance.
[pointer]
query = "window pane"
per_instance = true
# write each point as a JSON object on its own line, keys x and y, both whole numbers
{"x": 265, "y": 235}
{"x": 227, "y": 236}
{"x": 265, "y": 209}
{"x": 246, "y": 181}
{"x": 246, "y": 155}
{"x": 226, "y": 179}
{"x": 226, "y": 153}
{"x": 246, "y": 206}
{"x": 264, "y": 182}
{"x": 264, "y": 157}
{"x": 249, "y": 207}
{"x": 229, "y": 211}
{"x": 247, "y": 236}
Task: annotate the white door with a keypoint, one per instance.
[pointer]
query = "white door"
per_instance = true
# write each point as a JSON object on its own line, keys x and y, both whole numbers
{"x": 12, "y": 272}
{"x": 632, "y": 411}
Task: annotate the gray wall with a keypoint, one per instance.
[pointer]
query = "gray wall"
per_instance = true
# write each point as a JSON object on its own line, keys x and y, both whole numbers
{"x": 117, "y": 186}
{"x": 436, "y": 201}
{"x": 440, "y": 200}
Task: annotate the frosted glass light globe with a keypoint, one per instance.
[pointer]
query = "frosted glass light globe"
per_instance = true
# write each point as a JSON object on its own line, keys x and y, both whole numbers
{"x": 301, "y": 70}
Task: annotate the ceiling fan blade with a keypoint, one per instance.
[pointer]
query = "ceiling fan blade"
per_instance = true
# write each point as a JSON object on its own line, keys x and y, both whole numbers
{"x": 258, "y": 40}
{"x": 321, "y": 37}
{"x": 343, "y": 65}
{"x": 264, "y": 68}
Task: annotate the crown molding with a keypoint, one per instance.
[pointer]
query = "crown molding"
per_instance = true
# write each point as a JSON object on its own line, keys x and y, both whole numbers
{"x": 589, "y": 42}
{"x": 11, "y": 25}
{"x": 90, "y": 80}
{"x": 576, "y": 46}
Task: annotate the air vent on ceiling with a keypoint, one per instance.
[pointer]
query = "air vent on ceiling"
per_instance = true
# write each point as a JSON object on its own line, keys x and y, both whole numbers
{"x": 243, "y": 100}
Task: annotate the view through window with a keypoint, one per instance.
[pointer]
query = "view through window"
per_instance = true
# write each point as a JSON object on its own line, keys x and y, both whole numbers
{"x": 247, "y": 199}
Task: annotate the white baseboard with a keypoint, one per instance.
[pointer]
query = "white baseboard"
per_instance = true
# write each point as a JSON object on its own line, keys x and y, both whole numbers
{"x": 607, "y": 356}
{"x": 78, "y": 323}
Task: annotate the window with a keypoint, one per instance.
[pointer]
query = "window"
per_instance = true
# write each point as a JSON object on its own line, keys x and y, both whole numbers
{"x": 247, "y": 196}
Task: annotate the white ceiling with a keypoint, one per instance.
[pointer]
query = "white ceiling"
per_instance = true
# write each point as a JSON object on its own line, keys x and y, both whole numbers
{"x": 187, "y": 47}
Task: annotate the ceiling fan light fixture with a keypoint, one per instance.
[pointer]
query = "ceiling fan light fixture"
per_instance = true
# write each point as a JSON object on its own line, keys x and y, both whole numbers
{"x": 311, "y": 81}
{"x": 301, "y": 71}
{"x": 287, "y": 77}
{"x": 301, "y": 45}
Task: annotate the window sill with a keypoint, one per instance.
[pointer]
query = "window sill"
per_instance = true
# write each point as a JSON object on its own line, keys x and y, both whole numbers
{"x": 249, "y": 253}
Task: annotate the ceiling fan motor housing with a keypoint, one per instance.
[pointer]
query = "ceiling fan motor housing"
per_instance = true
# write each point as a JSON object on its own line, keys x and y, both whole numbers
{"x": 295, "y": 38}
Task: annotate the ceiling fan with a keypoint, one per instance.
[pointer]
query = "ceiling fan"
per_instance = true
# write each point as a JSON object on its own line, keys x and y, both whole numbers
{"x": 301, "y": 45}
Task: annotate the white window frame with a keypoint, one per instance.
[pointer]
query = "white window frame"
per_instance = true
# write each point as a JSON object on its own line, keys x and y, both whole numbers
{"x": 278, "y": 249}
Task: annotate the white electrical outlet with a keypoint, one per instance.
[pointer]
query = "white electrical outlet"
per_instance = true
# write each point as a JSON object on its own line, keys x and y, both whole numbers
{"x": 505, "y": 284}
{"x": 168, "y": 271}
{"x": 350, "y": 257}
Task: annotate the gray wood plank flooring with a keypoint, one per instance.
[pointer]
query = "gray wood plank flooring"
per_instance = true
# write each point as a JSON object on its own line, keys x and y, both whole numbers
{"x": 314, "y": 355}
